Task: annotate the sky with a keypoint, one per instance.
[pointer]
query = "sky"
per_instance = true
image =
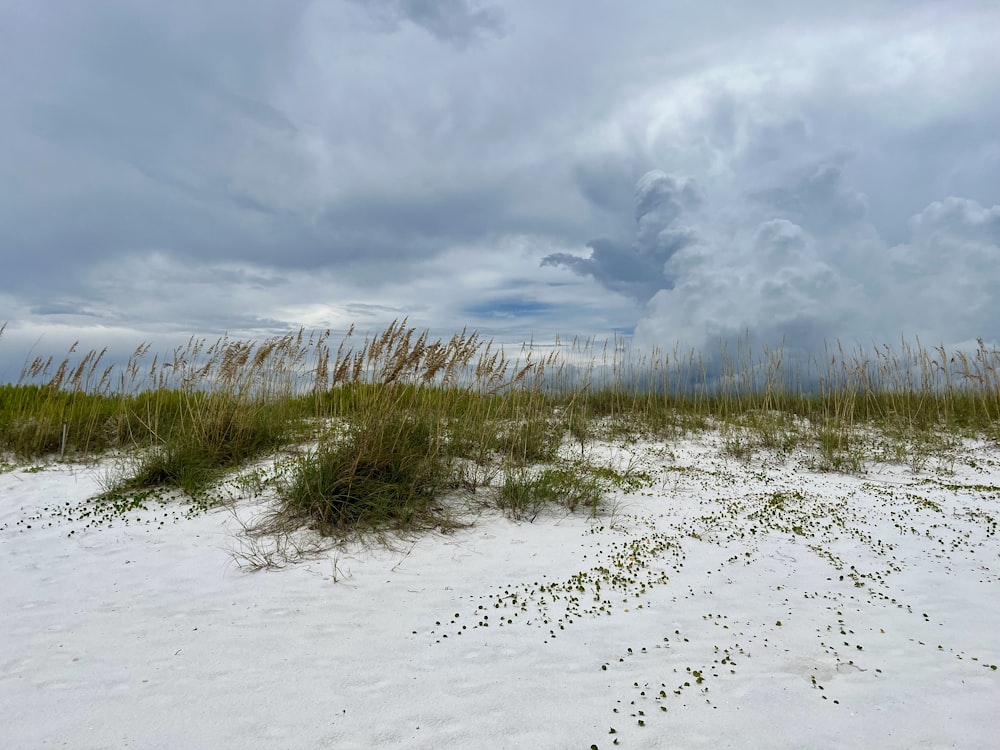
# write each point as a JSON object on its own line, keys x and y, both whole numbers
{"x": 682, "y": 173}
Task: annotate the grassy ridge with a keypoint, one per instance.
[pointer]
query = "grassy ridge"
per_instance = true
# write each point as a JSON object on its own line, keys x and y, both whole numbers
{"x": 397, "y": 419}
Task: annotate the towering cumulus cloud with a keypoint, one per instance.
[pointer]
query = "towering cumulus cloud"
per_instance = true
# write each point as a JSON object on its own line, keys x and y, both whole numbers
{"x": 799, "y": 265}
{"x": 803, "y": 265}
{"x": 839, "y": 192}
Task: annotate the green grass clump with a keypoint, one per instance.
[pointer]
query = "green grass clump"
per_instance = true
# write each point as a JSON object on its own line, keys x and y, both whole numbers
{"x": 385, "y": 474}
{"x": 405, "y": 412}
{"x": 219, "y": 433}
{"x": 524, "y": 493}
{"x": 745, "y": 434}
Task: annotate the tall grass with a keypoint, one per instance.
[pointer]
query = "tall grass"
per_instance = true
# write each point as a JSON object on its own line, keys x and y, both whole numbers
{"x": 188, "y": 417}
{"x": 396, "y": 419}
{"x": 408, "y": 416}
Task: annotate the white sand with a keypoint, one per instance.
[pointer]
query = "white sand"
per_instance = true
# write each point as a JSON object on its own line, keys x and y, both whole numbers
{"x": 886, "y": 587}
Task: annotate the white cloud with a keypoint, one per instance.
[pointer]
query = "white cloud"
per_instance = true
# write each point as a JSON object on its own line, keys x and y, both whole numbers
{"x": 785, "y": 284}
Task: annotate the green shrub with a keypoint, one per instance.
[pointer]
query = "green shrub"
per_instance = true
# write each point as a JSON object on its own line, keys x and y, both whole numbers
{"x": 381, "y": 474}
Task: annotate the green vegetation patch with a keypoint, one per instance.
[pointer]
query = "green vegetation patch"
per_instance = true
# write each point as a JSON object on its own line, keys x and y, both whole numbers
{"x": 401, "y": 420}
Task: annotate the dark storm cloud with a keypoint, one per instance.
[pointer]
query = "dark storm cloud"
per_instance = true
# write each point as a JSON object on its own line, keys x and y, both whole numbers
{"x": 638, "y": 269}
{"x": 619, "y": 268}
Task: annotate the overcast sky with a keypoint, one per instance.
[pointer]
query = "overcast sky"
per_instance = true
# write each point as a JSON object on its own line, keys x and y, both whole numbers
{"x": 684, "y": 171}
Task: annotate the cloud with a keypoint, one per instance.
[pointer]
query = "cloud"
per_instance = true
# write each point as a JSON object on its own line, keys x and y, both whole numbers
{"x": 607, "y": 183}
{"x": 460, "y": 23}
{"x": 639, "y": 270}
{"x": 818, "y": 200}
{"x": 958, "y": 217}
{"x": 508, "y": 307}
{"x": 139, "y": 128}
{"x": 799, "y": 238}
{"x": 777, "y": 283}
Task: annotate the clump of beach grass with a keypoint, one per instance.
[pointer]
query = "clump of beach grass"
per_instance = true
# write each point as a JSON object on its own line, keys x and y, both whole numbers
{"x": 525, "y": 493}
{"x": 405, "y": 413}
{"x": 235, "y": 401}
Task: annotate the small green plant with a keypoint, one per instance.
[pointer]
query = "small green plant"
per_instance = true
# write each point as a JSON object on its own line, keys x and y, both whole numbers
{"x": 630, "y": 480}
{"x": 839, "y": 449}
{"x": 531, "y": 441}
{"x": 746, "y": 434}
{"x": 525, "y": 493}
{"x": 579, "y": 423}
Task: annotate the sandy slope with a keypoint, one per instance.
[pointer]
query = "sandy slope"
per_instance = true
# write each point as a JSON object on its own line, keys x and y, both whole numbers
{"x": 760, "y": 605}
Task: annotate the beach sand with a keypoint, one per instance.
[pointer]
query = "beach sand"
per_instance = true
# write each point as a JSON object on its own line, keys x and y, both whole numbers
{"x": 721, "y": 604}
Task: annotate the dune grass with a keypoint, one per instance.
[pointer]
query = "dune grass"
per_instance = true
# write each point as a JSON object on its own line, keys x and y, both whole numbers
{"x": 395, "y": 422}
